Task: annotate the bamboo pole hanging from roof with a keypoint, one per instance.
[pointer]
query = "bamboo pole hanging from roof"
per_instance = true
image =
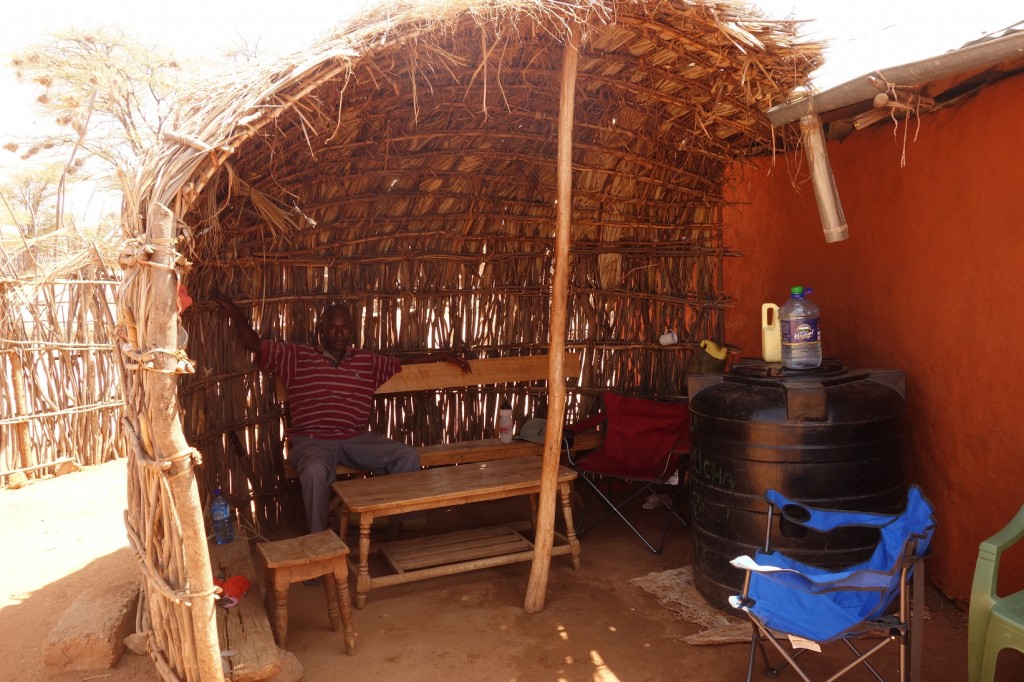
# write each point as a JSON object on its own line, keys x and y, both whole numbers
{"x": 833, "y": 222}
{"x": 544, "y": 536}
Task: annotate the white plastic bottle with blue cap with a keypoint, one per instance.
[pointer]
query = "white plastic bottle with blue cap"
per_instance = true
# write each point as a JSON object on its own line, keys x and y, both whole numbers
{"x": 801, "y": 333}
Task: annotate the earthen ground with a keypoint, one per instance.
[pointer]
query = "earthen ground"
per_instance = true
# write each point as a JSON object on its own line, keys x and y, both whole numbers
{"x": 63, "y": 535}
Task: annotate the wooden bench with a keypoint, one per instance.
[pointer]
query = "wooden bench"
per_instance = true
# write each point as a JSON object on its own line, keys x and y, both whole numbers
{"x": 444, "y": 554}
{"x": 434, "y": 376}
{"x": 246, "y": 639}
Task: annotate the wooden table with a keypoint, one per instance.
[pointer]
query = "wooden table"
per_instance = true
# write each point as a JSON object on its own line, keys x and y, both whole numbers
{"x": 444, "y": 554}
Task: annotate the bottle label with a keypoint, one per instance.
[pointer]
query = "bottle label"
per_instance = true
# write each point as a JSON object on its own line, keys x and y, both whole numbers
{"x": 505, "y": 428}
{"x": 800, "y": 330}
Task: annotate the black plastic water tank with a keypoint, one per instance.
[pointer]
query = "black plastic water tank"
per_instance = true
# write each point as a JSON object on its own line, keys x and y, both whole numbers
{"x": 829, "y": 436}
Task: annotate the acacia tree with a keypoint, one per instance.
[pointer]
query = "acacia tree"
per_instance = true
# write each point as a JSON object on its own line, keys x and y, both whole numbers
{"x": 109, "y": 96}
{"x": 29, "y": 197}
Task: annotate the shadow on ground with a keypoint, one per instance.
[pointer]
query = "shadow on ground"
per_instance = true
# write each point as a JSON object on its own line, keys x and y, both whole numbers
{"x": 595, "y": 625}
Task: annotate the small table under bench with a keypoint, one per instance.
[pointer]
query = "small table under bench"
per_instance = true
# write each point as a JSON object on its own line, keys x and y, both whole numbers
{"x": 445, "y": 554}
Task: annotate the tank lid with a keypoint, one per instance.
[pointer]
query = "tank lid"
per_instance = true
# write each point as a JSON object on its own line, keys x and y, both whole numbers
{"x": 755, "y": 368}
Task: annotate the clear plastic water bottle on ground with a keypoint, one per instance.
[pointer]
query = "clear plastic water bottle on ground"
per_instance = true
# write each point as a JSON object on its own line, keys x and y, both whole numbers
{"x": 801, "y": 334}
{"x": 220, "y": 512}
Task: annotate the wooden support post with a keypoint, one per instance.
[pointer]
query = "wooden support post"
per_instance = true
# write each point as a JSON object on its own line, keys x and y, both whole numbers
{"x": 161, "y": 397}
{"x": 27, "y": 452}
{"x": 544, "y": 538}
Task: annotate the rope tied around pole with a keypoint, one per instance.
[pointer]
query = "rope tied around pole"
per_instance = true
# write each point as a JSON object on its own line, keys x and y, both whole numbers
{"x": 165, "y": 463}
{"x": 177, "y": 595}
{"x": 181, "y": 456}
{"x": 144, "y": 360}
{"x": 138, "y": 253}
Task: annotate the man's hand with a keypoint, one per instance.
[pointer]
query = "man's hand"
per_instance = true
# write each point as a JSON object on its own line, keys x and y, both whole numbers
{"x": 462, "y": 362}
{"x": 243, "y": 328}
{"x": 226, "y": 306}
{"x": 436, "y": 356}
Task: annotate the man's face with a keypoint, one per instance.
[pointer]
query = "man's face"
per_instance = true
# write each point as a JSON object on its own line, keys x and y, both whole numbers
{"x": 336, "y": 331}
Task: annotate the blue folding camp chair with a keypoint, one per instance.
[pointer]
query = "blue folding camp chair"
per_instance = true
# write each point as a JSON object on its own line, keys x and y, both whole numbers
{"x": 811, "y": 606}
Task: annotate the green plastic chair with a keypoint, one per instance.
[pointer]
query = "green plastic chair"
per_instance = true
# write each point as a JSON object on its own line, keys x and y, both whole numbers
{"x": 994, "y": 623}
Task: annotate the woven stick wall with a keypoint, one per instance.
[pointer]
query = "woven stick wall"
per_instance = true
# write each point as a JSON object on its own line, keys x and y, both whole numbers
{"x": 406, "y": 165}
{"x": 60, "y": 373}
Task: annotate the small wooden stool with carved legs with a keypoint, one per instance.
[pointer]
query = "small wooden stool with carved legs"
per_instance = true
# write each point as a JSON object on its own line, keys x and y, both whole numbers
{"x": 305, "y": 558}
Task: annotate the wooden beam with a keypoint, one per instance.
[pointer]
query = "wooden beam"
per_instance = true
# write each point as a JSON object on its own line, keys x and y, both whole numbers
{"x": 434, "y": 375}
{"x": 245, "y": 628}
{"x": 27, "y": 452}
{"x": 160, "y": 395}
{"x": 485, "y": 371}
{"x": 544, "y": 538}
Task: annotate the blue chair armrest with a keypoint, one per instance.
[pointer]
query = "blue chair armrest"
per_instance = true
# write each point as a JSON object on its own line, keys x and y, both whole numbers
{"x": 824, "y": 520}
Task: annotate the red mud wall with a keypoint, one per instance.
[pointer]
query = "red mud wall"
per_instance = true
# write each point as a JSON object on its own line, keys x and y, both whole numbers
{"x": 931, "y": 282}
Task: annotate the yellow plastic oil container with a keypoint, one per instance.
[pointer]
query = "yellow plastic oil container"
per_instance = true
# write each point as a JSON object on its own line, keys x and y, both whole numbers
{"x": 771, "y": 334}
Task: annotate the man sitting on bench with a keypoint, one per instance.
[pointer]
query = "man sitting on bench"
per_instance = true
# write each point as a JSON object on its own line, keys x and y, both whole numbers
{"x": 330, "y": 388}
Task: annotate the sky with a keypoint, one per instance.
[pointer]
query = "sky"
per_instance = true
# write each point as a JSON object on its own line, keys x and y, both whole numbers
{"x": 863, "y": 36}
{"x": 875, "y": 34}
{"x": 188, "y": 27}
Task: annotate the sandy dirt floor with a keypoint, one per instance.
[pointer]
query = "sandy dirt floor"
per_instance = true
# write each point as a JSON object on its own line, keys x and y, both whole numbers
{"x": 59, "y": 536}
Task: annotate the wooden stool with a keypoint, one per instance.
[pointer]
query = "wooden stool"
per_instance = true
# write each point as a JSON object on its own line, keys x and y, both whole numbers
{"x": 304, "y": 558}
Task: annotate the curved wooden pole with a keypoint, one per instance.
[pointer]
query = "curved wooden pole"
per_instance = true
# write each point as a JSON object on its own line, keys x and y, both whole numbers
{"x": 161, "y": 331}
{"x": 544, "y": 537}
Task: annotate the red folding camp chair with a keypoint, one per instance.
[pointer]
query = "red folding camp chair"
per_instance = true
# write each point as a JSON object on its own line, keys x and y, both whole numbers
{"x": 645, "y": 441}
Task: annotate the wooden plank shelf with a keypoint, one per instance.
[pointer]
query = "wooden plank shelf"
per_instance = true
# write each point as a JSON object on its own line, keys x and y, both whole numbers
{"x": 246, "y": 640}
{"x": 451, "y": 548}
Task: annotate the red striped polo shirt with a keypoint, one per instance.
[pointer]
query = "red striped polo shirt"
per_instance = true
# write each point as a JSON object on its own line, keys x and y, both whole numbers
{"x": 327, "y": 401}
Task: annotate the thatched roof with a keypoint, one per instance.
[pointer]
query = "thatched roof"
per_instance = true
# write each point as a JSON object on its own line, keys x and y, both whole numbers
{"x": 408, "y": 163}
{"x": 449, "y": 109}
